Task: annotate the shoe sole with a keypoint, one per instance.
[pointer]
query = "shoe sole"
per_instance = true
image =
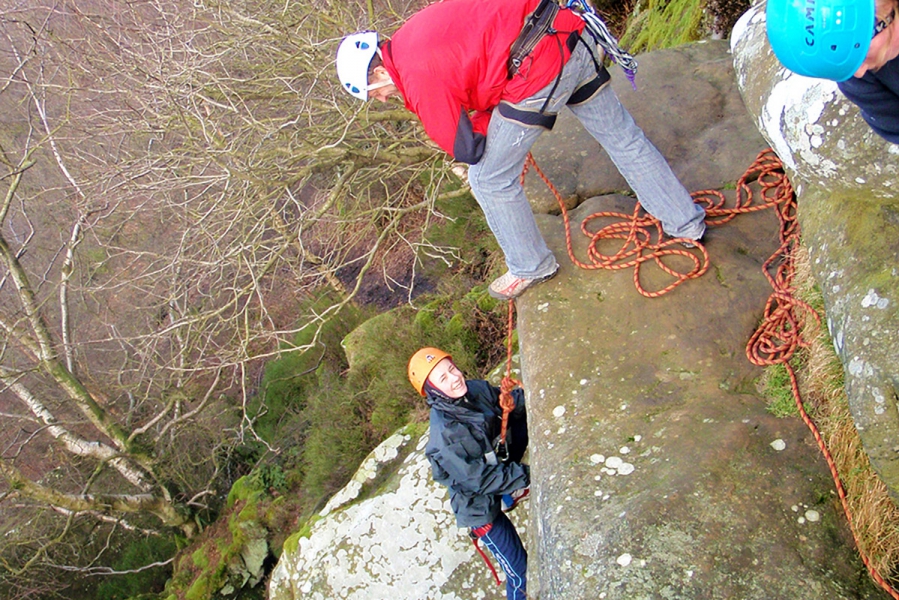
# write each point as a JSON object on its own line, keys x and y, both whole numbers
{"x": 517, "y": 502}
{"x": 500, "y": 296}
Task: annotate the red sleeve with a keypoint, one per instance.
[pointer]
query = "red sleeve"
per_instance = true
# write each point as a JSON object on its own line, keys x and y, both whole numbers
{"x": 480, "y": 120}
{"x": 446, "y": 121}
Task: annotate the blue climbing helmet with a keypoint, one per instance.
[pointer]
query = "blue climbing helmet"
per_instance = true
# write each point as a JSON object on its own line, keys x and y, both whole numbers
{"x": 828, "y": 39}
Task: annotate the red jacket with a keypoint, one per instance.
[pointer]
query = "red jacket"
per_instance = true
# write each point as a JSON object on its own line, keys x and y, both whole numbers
{"x": 449, "y": 63}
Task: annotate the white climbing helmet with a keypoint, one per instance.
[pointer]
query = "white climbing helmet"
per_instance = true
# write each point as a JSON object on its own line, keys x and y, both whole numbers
{"x": 353, "y": 58}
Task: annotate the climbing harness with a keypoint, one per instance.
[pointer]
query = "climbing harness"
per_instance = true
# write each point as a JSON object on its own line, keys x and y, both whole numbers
{"x": 778, "y": 337}
{"x": 537, "y": 25}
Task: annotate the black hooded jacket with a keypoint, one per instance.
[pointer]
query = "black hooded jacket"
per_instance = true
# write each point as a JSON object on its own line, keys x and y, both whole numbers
{"x": 877, "y": 95}
{"x": 461, "y": 453}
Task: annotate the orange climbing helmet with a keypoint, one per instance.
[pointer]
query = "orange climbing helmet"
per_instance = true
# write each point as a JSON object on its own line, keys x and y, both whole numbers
{"x": 422, "y": 363}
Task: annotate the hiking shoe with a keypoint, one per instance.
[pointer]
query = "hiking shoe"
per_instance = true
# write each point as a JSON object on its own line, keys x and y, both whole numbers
{"x": 510, "y": 501}
{"x": 690, "y": 242}
{"x": 509, "y": 287}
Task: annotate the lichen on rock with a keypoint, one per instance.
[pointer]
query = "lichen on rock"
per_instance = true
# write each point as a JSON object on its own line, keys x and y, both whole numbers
{"x": 401, "y": 543}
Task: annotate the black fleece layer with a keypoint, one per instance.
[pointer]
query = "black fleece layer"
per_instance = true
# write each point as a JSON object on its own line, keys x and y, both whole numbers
{"x": 877, "y": 95}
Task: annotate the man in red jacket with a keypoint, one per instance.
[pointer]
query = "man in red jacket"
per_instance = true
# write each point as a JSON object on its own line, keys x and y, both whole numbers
{"x": 449, "y": 63}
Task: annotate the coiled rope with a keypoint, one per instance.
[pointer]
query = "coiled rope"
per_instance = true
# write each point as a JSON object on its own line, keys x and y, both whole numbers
{"x": 779, "y": 335}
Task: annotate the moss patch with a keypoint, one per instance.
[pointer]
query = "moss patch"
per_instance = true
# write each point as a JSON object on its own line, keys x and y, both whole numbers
{"x": 661, "y": 24}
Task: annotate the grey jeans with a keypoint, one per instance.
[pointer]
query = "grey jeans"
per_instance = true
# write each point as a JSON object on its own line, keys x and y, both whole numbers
{"x": 495, "y": 180}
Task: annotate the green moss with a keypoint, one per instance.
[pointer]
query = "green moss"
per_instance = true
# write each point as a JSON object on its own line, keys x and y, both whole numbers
{"x": 199, "y": 557}
{"x": 424, "y": 319}
{"x": 719, "y": 276}
{"x": 243, "y": 489}
{"x": 456, "y": 325}
{"x": 779, "y": 393}
{"x": 249, "y": 513}
{"x": 415, "y": 430}
{"x": 484, "y": 300}
{"x": 363, "y": 345}
{"x": 883, "y": 281}
{"x": 199, "y": 589}
{"x": 274, "y": 505}
{"x": 292, "y": 543}
{"x": 865, "y": 226}
{"x": 663, "y": 24}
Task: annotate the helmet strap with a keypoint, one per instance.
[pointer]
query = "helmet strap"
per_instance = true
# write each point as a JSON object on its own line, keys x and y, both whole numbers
{"x": 380, "y": 84}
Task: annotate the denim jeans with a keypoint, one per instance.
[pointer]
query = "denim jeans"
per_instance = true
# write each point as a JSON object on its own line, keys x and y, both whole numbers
{"x": 505, "y": 544}
{"x": 495, "y": 180}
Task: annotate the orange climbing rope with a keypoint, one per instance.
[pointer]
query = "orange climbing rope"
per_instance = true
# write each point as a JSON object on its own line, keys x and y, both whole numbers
{"x": 506, "y": 401}
{"x": 779, "y": 336}
{"x": 776, "y": 339}
{"x": 639, "y": 244}
{"x": 643, "y": 239}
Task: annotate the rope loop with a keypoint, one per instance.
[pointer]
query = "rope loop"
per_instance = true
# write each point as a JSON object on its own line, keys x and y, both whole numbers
{"x": 642, "y": 241}
{"x": 641, "y": 236}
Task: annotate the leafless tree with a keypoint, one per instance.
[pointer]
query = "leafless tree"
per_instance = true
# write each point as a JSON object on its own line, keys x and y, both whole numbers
{"x": 177, "y": 178}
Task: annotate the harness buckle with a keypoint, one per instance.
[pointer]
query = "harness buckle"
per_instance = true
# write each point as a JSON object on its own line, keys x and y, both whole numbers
{"x": 501, "y": 449}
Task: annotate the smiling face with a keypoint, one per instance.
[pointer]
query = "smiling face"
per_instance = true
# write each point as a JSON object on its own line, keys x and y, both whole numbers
{"x": 448, "y": 379}
{"x": 884, "y": 45}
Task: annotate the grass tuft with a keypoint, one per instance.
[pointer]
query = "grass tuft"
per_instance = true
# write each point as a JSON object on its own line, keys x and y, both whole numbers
{"x": 664, "y": 24}
{"x": 775, "y": 386}
{"x": 875, "y": 517}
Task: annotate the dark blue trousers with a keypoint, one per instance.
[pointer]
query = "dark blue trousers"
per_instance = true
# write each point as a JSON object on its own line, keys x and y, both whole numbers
{"x": 506, "y": 546}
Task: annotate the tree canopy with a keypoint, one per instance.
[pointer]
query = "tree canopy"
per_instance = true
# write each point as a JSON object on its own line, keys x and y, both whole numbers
{"x": 177, "y": 180}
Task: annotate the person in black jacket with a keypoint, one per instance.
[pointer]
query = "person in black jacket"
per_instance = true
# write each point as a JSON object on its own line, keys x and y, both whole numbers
{"x": 467, "y": 457}
{"x": 855, "y": 44}
{"x": 874, "y": 87}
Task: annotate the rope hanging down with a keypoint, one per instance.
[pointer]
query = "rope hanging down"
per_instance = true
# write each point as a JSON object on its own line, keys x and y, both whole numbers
{"x": 776, "y": 339}
{"x": 506, "y": 401}
{"x": 779, "y": 336}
